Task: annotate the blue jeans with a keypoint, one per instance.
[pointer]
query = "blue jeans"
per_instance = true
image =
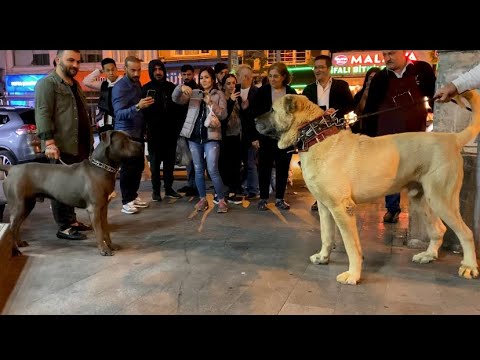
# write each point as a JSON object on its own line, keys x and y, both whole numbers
{"x": 211, "y": 150}
{"x": 392, "y": 202}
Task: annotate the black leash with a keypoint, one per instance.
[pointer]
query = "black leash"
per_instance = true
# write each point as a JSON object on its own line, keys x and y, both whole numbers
{"x": 466, "y": 107}
{"x": 392, "y": 109}
{"x": 403, "y": 106}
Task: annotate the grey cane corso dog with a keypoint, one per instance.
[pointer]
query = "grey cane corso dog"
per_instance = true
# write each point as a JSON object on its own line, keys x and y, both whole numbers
{"x": 85, "y": 185}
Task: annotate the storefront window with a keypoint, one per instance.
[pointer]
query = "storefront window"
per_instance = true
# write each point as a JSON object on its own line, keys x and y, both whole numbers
{"x": 31, "y": 57}
{"x": 91, "y": 56}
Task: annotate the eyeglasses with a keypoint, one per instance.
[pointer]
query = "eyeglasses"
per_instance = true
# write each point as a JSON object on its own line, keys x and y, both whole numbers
{"x": 320, "y": 67}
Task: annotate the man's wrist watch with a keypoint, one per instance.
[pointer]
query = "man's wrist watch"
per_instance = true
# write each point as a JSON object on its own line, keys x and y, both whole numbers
{"x": 137, "y": 107}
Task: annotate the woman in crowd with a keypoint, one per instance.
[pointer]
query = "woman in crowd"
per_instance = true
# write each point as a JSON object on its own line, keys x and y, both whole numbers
{"x": 230, "y": 155}
{"x": 360, "y": 98}
{"x": 204, "y": 137}
{"x": 269, "y": 153}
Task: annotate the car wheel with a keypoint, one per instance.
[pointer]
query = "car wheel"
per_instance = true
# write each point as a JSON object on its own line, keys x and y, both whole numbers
{"x": 6, "y": 158}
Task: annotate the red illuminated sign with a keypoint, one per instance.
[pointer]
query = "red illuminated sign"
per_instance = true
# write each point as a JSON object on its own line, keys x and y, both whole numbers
{"x": 365, "y": 58}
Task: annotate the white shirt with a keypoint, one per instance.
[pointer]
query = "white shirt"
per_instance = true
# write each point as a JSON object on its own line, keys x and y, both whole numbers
{"x": 468, "y": 81}
{"x": 323, "y": 93}
{"x": 244, "y": 93}
{"x": 400, "y": 74}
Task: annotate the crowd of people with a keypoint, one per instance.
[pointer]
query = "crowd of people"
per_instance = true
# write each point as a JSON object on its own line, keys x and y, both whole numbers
{"x": 216, "y": 116}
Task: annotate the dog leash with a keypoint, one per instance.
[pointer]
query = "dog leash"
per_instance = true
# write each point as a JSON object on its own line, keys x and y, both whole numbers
{"x": 54, "y": 161}
{"x": 404, "y": 106}
{"x": 466, "y": 107}
{"x": 391, "y": 109}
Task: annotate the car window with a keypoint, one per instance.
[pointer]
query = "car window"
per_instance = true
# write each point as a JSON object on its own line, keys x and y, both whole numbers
{"x": 3, "y": 119}
{"x": 28, "y": 117}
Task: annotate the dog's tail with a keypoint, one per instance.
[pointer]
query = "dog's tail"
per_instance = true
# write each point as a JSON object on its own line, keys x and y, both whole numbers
{"x": 469, "y": 133}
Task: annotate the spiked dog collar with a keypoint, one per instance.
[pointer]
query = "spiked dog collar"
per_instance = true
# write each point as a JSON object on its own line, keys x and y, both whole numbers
{"x": 103, "y": 166}
{"x": 318, "y": 130}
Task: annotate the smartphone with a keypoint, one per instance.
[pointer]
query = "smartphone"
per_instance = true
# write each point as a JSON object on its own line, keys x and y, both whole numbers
{"x": 197, "y": 94}
{"x": 238, "y": 87}
{"x": 151, "y": 93}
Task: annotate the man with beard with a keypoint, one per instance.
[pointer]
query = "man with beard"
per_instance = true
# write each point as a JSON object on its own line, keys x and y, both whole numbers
{"x": 163, "y": 120}
{"x": 128, "y": 106}
{"x": 64, "y": 127}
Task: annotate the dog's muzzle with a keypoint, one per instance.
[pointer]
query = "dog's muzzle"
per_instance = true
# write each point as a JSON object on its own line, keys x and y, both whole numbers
{"x": 264, "y": 125}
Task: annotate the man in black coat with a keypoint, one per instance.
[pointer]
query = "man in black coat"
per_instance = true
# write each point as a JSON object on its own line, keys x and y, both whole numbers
{"x": 328, "y": 93}
{"x": 401, "y": 84}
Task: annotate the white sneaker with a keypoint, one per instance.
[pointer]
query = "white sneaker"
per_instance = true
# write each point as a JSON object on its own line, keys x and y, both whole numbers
{"x": 129, "y": 208}
{"x": 139, "y": 203}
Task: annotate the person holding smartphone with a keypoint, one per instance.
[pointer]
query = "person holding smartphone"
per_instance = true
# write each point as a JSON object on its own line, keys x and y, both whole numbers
{"x": 162, "y": 119}
{"x": 230, "y": 160}
{"x": 204, "y": 140}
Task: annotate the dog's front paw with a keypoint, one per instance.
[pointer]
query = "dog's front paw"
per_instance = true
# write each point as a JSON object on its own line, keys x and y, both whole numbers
{"x": 106, "y": 252}
{"x": 348, "y": 278}
{"x": 424, "y": 257}
{"x": 319, "y": 259}
{"x": 468, "y": 272}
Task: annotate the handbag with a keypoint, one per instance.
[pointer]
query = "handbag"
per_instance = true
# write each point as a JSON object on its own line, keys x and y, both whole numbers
{"x": 212, "y": 120}
{"x": 183, "y": 156}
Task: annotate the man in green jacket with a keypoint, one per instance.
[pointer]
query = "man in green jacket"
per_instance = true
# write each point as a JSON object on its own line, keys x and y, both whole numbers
{"x": 63, "y": 125}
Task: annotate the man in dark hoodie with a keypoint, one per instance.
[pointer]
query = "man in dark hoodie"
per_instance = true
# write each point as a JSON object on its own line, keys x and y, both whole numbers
{"x": 162, "y": 119}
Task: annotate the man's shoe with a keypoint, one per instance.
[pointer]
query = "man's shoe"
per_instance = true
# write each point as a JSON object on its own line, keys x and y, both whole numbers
{"x": 262, "y": 204}
{"x": 139, "y": 203}
{"x": 79, "y": 226}
{"x": 129, "y": 208}
{"x": 391, "y": 217}
{"x": 156, "y": 197}
{"x": 251, "y": 196}
{"x": 70, "y": 234}
{"x": 239, "y": 191}
{"x": 184, "y": 189}
{"x": 172, "y": 194}
{"x": 237, "y": 200}
{"x": 314, "y": 206}
{"x": 215, "y": 199}
{"x": 282, "y": 204}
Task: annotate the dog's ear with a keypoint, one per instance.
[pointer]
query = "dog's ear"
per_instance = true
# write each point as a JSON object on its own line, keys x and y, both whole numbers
{"x": 106, "y": 136}
{"x": 290, "y": 103}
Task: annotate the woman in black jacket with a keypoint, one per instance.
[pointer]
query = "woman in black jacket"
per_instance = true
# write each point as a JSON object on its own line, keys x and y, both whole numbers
{"x": 268, "y": 153}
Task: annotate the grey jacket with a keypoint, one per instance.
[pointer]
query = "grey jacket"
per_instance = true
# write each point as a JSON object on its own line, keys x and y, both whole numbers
{"x": 56, "y": 113}
{"x": 219, "y": 107}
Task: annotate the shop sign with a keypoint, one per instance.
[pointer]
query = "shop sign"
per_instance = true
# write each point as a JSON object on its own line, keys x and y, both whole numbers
{"x": 21, "y": 83}
{"x": 357, "y": 63}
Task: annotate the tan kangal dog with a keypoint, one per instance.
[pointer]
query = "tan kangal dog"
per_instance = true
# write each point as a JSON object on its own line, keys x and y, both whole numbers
{"x": 346, "y": 169}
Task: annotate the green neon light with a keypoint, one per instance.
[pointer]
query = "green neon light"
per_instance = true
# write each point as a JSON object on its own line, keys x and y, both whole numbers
{"x": 298, "y": 86}
{"x": 300, "y": 68}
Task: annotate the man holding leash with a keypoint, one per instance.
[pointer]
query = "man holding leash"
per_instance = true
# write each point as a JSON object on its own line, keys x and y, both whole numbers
{"x": 64, "y": 127}
{"x": 467, "y": 81}
{"x": 403, "y": 85}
